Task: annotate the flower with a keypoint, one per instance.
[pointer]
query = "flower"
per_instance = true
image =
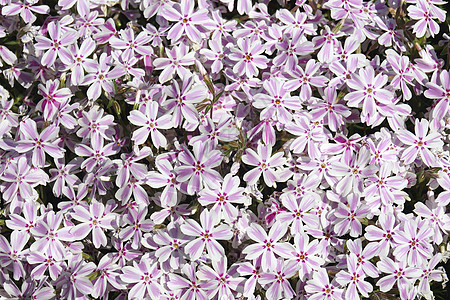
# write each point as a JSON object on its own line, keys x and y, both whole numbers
{"x": 421, "y": 143}
{"x": 56, "y": 45}
{"x": 145, "y": 276}
{"x": 149, "y": 125}
{"x": 265, "y": 164}
{"x": 248, "y": 57}
{"x": 207, "y": 234}
{"x": 267, "y": 245}
{"x": 319, "y": 287}
{"x": 187, "y": 20}
{"x": 38, "y": 144}
{"x": 198, "y": 167}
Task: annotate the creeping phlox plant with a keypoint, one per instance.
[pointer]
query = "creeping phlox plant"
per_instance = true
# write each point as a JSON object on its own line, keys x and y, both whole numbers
{"x": 156, "y": 149}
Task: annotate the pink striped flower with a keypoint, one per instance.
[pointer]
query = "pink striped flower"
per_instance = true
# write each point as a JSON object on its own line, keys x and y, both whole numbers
{"x": 266, "y": 164}
{"x": 38, "y": 144}
{"x": 413, "y": 243}
{"x": 320, "y": 288}
{"x": 267, "y": 245}
{"x": 95, "y": 220}
{"x": 207, "y": 234}
{"x": 188, "y": 20}
{"x": 149, "y": 124}
{"x": 420, "y": 143}
{"x": 144, "y": 276}
{"x": 197, "y": 168}
{"x": 57, "y": 43}
{"x": 25, "y": 9}
{"x": 354, "y": 277}
{"x": 248, "y": 57}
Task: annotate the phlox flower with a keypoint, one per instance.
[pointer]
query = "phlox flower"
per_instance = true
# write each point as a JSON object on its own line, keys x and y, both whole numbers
{"x": 424, "y": 14}
{"x": 18, "y": 223}
{"x": 429, "y": 273}
{"x": 319, "y": 287}
{"x": 181, "y": 100}
{"x": 13, "y": 255}
{"x": 74, "y": 282}
{"x": 276, "y": 101}
{"x": 248, "y": 57}
{"x": 421, "y": 143}
{"x": 145, "y": 279}
{"x": 57, "y": 43}
{"x": 97, "y": 154}
{"x": 265, "y": 163}
{"x": 413, "y": 243}
{"x": 349, "y": 214}
{"x": 440, "y": 92}
{"x": 188, "y": 20}
{"x": 207, "y": 234}
{"x": 64, "y": 175}
{"x": 331, "y": 111}
{"x": 306, "y": 78}
{"x": 222, "y": 197}
{"x": 49, "y": 237}
{"x": 368, "y": 91}
{"x": 399, "y": 274}
{"x": 108, "y": 278}
{"x": 136, "y": 224}
{"x": 44, "y": 262}
{"x": 178, "y": 58}
{"x": 78, "y": 60}
{"x": 25, "y": 9}
{"x": 149, "y": 124}
{"x": 30, "y": 289}
{"x": 354, "y": 278}
{"x": 171, "y": 243}
{"x": 95, "y": 125}
{"x": 218, "y": 280}
{"x": 197, "y": 168}
{"x": 307, "y": 257}
{"x": 385, "y": 186}
{"x": 364, "y": 256}
{"x": 267, "y": 245}
{"x": 96, "y": 219}
{"x": 298, "y": 212}
{"x": 437, "y": 218}
{"x": 278, "y": 280}
{"x": 38, "y": 144}
{"x": 254, "y": 270}
{"x": 353, "y": 172}
{"x": 21, "y": 179}
{"x": 130, "y": 44}
{"x": 192, "y": 288}
{"x": 53, "y": 98}
{"x": 101, "y": 77}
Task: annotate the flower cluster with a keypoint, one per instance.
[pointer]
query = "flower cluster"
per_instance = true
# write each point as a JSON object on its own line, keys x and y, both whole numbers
{"x": 224, "y": 149}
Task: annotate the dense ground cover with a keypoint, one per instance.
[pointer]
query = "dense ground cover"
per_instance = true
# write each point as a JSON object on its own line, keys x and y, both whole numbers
{"x": 224, "y": 149}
